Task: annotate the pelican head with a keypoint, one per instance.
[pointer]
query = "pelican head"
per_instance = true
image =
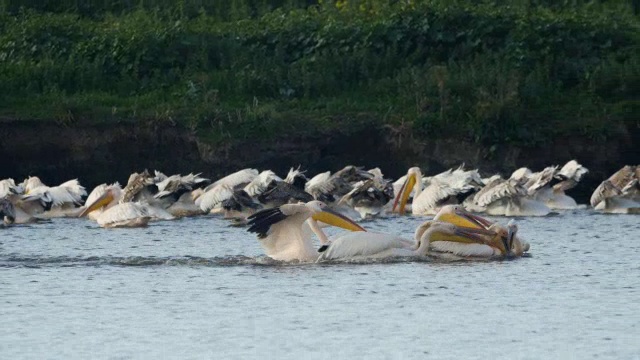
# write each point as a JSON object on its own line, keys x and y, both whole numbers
{"x": 321, "y": 212}
{"x": 458, "y": 215}
{"x": 506, "y": 241}
{"x": 111, "y": 192}
{"x": 7, "y": 211}
{"x": 414, "y": 175}
{"x": 432, "y": 231}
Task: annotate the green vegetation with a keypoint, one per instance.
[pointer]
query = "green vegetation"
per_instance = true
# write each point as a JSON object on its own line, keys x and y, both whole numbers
{"x": 229, "y": 70}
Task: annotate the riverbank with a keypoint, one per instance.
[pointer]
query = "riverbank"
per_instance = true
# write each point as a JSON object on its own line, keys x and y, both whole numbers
{"x": 484, "y": 72}
{"x": 107, "y": 153}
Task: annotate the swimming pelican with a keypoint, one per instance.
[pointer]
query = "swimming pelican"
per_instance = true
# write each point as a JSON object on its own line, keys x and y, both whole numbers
{"x": 177, "y": 193}
{"x": 49, "y": 202}
{"x": 283, "y": 192}
{"x": 369, "y": 197}
{"x": 554, "y": 195}
{"x": 507, "y": 198}
{"x": 285, "y": 232}
{"x": 329, "y": 188}
{"x": 620, "y": 193}
{"x": 467, "y": 235}
{"x": 500, "y": 241}
{"x": 452, "y": 186}
{"x": 105, "y": 205}
{"x": 211, "y": 198}
{"x": 371, "y": 245}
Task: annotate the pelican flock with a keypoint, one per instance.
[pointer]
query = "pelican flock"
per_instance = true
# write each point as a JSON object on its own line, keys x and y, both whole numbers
{"x": 286, "y": 212}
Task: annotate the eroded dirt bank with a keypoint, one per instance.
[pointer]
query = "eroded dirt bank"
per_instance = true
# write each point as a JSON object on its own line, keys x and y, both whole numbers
{"x": 101, "y": 153}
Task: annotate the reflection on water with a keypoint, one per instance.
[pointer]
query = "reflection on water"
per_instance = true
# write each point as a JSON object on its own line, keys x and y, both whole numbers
{"x": 196, "y": 288}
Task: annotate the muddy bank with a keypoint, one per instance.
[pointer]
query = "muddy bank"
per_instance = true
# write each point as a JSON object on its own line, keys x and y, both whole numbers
{"x": 100, "y": 153}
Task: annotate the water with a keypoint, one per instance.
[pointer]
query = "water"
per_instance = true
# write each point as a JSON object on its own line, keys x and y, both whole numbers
{"x": 197, "y": 288}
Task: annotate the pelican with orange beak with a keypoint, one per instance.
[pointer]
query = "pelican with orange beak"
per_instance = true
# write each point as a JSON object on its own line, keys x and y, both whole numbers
{"x": 105, "y": 206}
{"x": 355, "y": 246}
{"x": 500, "y": 242}
{"x": 285, "y": 231}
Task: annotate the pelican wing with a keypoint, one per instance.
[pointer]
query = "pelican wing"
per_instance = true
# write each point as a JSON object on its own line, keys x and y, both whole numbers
{"x": 540, "y": 179}
{"x": 261, "y": 183}
{"x": 7, "y": 188}
{"x": 56, "y": 196}
{"x": 604, "y": 191}
{"x": 321, "y": 187}
{"x": 497, "y": 190}
{"x": 522, "y": 175}
{"x": 242, "y": 177}
{"x": 265, "y": 222}
{"x": 572, "y": 170}
{"x": 239, "y": 201}
{"x": 368, "y": 193}
{"x": 135, "y": 184}
{"x": 214, "y": 198}
{"x": 432, "y": 196}
{"x": 283, "y": 192}
{"x": 486, "y": 181}
{"x": 623, "y": 176}
{"x": 177, "y": 185}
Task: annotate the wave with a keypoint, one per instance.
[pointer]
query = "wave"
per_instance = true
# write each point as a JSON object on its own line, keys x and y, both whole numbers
{"x": 195, "y": 261}
{"x": 136, "y": 261}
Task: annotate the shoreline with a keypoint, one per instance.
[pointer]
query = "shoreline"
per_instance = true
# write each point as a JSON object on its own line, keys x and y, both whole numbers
{"x": 99, "y": 153}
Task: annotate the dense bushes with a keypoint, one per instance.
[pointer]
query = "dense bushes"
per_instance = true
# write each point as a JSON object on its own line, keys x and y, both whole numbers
{"x": 484, "y": 72}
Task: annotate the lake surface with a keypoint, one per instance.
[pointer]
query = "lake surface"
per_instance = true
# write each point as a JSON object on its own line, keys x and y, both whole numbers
{"x": 197, "y": 288}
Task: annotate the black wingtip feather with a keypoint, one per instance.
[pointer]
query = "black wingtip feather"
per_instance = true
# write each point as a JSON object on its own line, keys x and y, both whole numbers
{"x": 261, "y": 221}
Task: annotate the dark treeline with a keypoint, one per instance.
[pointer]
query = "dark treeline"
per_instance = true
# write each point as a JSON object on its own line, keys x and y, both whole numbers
{"x": 492, "y": 71}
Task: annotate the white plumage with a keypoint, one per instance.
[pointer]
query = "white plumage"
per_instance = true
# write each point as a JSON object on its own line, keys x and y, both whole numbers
{"x": 238, "y": 178}
{"x": 261, "y": 183}
{"x": 129, "y": 214}
{"x": 213, "y": 198}
{"x": 8, "y": 188}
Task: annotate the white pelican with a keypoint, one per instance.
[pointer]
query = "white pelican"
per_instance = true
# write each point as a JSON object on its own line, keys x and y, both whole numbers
{"x": 457, "y": 232}
{"x": 506, "y": 198}
{"x": 283, "y": 192}
{"x": 442, "y": 189}
{"x": 367, "y": 246}
{"x": 554, "y": 196}
{"x": 369, "y": 197}
{"x": 500, "y": 242}
{"x": 329, "y": 188}
{"x": 235, "y": 204}
{"x": 210, "y": 200}
{"x": 234, "y": 201}
{"x": 261, "y": 183}
{"x": 178, "y": 192}
{"x": 106, "y": 206}
{"x": 43, "y": 201}
{"x": 620, "y": 193}
{"x": 285, "y": 232}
